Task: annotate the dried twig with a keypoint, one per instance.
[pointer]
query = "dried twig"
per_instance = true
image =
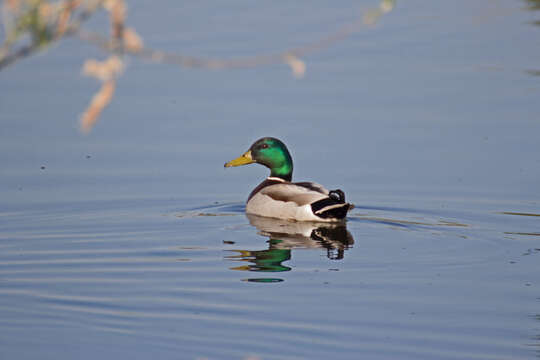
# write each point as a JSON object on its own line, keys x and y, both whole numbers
{"x": 101, "y": 99}
{"x": 107, "y": 72}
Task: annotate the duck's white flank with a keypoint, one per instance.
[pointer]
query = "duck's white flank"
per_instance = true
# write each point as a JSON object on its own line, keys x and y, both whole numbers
{"x": 288, "y": 201}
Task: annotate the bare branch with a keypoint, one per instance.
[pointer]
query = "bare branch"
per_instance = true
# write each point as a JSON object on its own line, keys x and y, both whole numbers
{"x": 117, "y": 8}
{"x": 63, "y": 29}
{"x": 48, "y": 23}
{"x": 290, "y": 56}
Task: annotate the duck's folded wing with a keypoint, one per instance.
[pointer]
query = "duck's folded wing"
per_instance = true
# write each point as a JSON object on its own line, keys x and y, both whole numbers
{"x": 299, "y": 193}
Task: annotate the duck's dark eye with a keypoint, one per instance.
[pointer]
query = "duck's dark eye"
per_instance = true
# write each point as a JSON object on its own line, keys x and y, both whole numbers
{"x": 264, "y": 146}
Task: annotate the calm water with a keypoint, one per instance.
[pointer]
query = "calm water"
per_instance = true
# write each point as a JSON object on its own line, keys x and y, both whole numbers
{"x": 133, "y": 242}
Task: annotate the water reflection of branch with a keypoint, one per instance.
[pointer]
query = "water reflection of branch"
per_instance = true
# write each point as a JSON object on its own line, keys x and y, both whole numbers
{"x": 48, "y": 22}
{"x": 533, "y": 72}
{"x": 534, "y": 5}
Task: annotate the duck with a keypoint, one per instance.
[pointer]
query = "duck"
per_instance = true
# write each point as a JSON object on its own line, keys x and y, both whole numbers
{"x": 278, "y": 197}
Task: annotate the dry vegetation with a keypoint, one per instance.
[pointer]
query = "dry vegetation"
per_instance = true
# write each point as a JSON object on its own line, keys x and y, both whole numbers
{"x": 33, "y": 25}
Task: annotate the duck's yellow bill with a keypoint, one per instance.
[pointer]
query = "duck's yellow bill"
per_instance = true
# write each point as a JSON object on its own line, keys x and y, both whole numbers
{"x": 242, "y": 160}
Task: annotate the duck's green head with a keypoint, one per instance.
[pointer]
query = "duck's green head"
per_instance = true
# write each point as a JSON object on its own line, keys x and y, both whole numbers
{"x": 271, "y": 153}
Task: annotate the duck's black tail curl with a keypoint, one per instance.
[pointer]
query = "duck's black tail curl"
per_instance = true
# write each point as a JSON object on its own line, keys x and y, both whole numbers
{"x": 333, "y": 207}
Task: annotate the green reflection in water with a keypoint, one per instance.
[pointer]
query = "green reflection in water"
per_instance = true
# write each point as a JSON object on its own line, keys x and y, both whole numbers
{"x": 518, "y": 213}
{"x": 537, "y": 338}
{"x": 533, "y": 5}
{"x": 263, "y": 280}
{"x": 285, "y": 236}
{"x": 263, "y": 260}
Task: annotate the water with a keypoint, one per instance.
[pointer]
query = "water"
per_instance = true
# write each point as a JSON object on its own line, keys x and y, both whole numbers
{"x": 133, "y": 242}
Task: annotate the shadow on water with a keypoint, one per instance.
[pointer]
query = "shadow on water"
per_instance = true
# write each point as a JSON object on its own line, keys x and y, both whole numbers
{"x": 536, "y": 338}
{"x": 410, "y": 224}
{"x": 223, "y": 207}
{"x": 285, "y": 236}
{"x": 216, "y": 209}
{"x": 409, "y": 218}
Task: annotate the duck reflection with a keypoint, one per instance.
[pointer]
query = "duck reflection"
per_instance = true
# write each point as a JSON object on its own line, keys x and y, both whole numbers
{"x": 285, "y": 236}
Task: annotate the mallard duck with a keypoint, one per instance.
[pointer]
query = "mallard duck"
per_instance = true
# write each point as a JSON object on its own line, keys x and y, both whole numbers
{"x": 278, "y": 197}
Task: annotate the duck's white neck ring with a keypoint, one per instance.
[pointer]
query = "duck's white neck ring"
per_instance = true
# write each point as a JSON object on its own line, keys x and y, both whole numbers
{"x": 275, "y": 178}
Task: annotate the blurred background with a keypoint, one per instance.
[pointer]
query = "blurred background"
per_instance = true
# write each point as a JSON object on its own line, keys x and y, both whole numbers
{"x": 437, "y": 99}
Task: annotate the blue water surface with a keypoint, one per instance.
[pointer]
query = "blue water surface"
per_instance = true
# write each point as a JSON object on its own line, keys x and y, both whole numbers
{"x": 132, "y": 242}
